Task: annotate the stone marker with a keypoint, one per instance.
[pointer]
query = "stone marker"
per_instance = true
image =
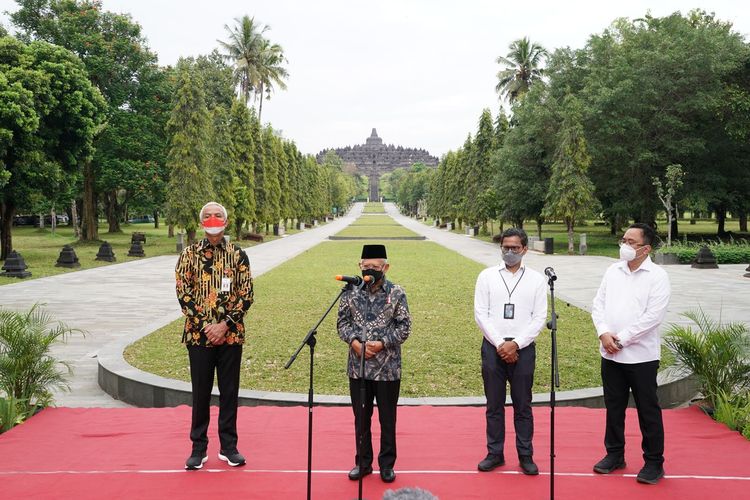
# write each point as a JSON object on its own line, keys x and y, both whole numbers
{"x": 705, "y": 259}
{"x": 136, "y": 250}
{"x": 747, "y": 274}
{"x": 15, "y": 266}
{"x": 67, "y": 258}
{"x": 106, "y": 253}
{"x": 582, "y": 246}
{"x": 180, "y": 242}
{"x": 138, "y": 237}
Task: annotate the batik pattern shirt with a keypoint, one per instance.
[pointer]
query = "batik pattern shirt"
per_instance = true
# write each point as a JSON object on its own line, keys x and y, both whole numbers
{"x": 199, "y": 274}
{"x": 383, "y": 315}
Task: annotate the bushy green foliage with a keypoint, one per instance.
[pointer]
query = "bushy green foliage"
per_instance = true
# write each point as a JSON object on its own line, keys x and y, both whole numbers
{"x": 733, "y": 252}
{"x": 734, "y": 411}
{"x": 717, "y": 354}
{"x": 28, "y": 372}
{"x": 12, "y": 413}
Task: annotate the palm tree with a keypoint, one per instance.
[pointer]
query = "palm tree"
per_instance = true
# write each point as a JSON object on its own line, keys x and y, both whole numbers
{"x": 243, "y": 49}
{"x": 270, "y": 71}
{"x": 522, "y": 69}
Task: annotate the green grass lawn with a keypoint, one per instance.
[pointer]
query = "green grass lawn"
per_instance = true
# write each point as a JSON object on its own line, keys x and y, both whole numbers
{"x": 373, "y": 207}
{"x": 40, "y": 248}
{"x": 441, "y": 357}
{"x": 375, "y": 220}
{"x": 379, "y": 231}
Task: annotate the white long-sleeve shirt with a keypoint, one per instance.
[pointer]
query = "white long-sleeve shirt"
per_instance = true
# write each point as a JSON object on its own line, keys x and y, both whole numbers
{"x": 632, "y": 305}
{"x": 529, "y": 299}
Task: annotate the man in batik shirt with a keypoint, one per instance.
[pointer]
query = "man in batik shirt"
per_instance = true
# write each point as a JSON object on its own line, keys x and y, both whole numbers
{"x": 215, "y": 290}
{"x": 379, "y": 313}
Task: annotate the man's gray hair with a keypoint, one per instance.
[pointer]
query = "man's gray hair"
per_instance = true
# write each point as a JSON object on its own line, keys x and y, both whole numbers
{"x": 409, "y": 494}
{"x": 224, "y": 210}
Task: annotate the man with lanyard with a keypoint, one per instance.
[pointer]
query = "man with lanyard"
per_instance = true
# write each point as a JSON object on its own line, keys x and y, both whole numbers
{"x": 628, "y": 309}
{"x": 215, "y": 290}
{"x": 380, "y": 312}
{"x": 510, "y": 307}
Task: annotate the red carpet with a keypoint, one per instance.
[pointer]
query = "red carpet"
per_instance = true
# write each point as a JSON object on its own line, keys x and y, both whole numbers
{"x": 139, "y": 453}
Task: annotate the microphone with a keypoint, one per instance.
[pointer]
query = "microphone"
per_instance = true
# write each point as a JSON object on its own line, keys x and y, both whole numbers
{"x": 353, "y": 280}
{"x": 550, "y": 274}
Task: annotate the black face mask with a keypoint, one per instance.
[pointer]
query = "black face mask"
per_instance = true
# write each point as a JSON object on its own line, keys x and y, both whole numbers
{"x": 376, "y": 275}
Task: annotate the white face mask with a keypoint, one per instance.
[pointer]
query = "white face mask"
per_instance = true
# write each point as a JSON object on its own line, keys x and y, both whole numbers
{"x": 627, "y": 253}
{"x": 213, "y": 231}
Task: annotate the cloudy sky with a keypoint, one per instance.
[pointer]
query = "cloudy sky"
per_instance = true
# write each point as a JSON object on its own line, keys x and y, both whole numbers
{"x": 420, "y": 71}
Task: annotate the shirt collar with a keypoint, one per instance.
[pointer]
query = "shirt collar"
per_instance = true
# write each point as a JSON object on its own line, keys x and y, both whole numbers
{"x": 646, "y": 265}
{"x": 504, "y": 268}
{"x": 207, "y": 244}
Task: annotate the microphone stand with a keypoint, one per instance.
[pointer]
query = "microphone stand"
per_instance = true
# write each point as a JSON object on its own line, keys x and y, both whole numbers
{"x": 362, "y": 391}
{"x": 310, "y": 340}
{"x": 555, "y": 382}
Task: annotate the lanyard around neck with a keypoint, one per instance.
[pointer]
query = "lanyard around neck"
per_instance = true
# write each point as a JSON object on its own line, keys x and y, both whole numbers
{"x": 510, "y": 292}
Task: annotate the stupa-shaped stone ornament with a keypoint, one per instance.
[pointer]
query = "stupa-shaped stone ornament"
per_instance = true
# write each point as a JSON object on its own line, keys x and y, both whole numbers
{"x": 106, "y": 253}
{"x": 705, "y": 259}
{"x": 15, "y": 266}
{"x": 68, "y": 258}
{"x": 136, "y": 250}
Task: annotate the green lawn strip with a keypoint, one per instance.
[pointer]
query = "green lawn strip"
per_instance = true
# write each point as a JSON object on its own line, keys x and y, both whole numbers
{"x": 40, "y": 248}
{"x": 384, "y": 231}
{"x": 375, "y": 220}
{"x": 373, "y": 207}
{"x": 441, "y": 358}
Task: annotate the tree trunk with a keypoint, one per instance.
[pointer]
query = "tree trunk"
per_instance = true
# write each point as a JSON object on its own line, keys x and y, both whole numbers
{"x": 571, "y": 237}
{"x": 742, "y": 214}
{"x": 170, "y": 231}
{"x": 6, "y": 224}
{"x": 675, "y": 232}
{"x": 539, "y": 223}
{"x": 156, "y": 219}
{"x": 89, "y": 218}
{"x": 112, "y": 209}
{"x": 721, "y": 218}
{"x": 191, "y": 236}
{"x": 260, "y": 106}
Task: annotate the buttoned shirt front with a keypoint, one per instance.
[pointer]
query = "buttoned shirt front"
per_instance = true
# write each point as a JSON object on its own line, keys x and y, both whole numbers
{"x": 213, "y": 284}
{"x": 382, "y": 315}
{"x": 526, "y": 290}
{"x": 632, "y": 305}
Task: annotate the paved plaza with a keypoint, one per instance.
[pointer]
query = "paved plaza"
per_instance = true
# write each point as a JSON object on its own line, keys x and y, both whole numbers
{"x": 123, "y": 301}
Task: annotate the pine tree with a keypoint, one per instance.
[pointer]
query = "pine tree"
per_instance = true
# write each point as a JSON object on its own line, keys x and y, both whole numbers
{"x": 571, "y": 192}
{"x": 189, "y": 184}
{"x": 272, "y": 187}
{"x": 224, "y": 162}
{"x": 240, "y": 126}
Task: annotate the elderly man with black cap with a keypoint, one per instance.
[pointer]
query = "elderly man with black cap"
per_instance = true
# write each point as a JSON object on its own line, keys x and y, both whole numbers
{"x": 375, "y": 321}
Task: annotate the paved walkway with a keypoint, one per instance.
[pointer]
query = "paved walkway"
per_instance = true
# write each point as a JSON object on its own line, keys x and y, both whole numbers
{"x": 124, "y": 300}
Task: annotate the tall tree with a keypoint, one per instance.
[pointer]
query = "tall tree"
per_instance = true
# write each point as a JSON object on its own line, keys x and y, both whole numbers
{"x": 522, "y": 68}
{"x": 190, "y": 182}
{"x": 271, "y": 187}
{"x": 50, "y": 112}
{"x": 270, "y": 72}
{"x": 571, "y": 192}
{"x": 242, "y": 123}
{"x": 244, "y": 48}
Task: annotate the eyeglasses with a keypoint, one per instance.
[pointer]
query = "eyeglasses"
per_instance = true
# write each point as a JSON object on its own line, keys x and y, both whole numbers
{"x": 513, "y": 249}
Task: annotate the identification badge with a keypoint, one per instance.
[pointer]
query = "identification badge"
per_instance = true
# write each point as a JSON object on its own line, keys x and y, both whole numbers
{"x": 509, "y": 311}
{"x": 226, "y": 284}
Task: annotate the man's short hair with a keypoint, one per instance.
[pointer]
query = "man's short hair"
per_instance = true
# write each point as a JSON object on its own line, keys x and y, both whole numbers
{"x": 514, "y": 231}
{"x": 649, "y": 235}
{"x": 204, "y": 207}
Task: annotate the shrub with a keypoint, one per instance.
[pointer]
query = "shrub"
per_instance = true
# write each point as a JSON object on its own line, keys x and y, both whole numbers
{"x": 28, "y": 372}
{"x": 717, "y": 354}
{"x": 734, "y": 252}
{"x": 734, "y": 411}
{"x": 12, "y": 413}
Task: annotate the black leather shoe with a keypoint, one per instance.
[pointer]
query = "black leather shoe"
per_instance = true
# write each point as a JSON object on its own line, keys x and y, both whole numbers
{"x": 610, "y": 463}
{"x": 491, "y": 462}
{"x": 650, "y": 474}
{"x": 196, "y": 460}
{"x": 354, "y": 473}
{"x": 528, "y": 466}
{"x": 387, "y": 475}
{"x": 233, "y": 458}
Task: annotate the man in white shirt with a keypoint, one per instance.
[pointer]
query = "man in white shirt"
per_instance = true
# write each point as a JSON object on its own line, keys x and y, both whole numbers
{"x": 510, "y": 307}
{"x": 628, "y": 309}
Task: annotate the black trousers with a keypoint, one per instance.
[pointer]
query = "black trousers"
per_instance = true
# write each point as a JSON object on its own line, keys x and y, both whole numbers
{"x": 618, "y": 380}
{"x": 495, "y": 374}
{"x": 386, "y": 393}
{"x": 225, "y": 360}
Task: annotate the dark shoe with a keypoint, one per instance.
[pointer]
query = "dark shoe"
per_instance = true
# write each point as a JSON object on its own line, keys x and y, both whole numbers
{"x": 528, "y": 466}
{"x": 233, "y": 458}
{"x": 387, "y": 475}
{"x": 650, "y": 474}
{"x": 610, "y": 463}
{"x": 354, "y": 473}
{"x": 196, "y": 460}
{"x": 491, "y": 462}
